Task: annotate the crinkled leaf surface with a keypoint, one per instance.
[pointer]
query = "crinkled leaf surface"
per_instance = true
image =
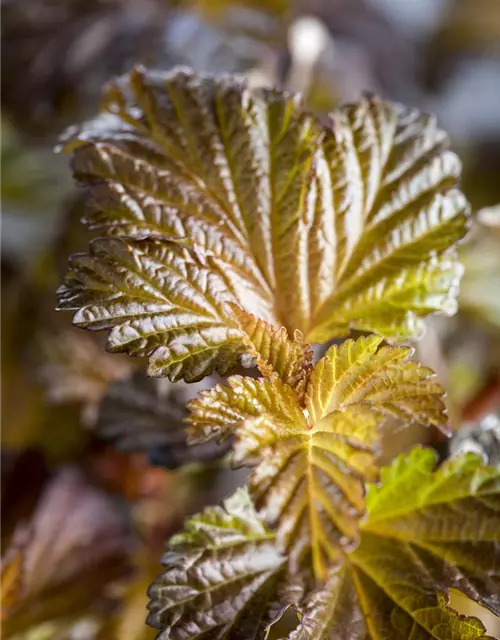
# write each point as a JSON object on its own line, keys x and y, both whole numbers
{"x": 222, "y": 193}
{"x": 143, "y": 413}
{"x": 312, "y": 461}
{"x": 221, "y": 576}
{"x": 426, "y": 531}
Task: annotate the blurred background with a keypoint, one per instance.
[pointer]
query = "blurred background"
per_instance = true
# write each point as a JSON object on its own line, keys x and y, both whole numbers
{"x": 93, "y": 473}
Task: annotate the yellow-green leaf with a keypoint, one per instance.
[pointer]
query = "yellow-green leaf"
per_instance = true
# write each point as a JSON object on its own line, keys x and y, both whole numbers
{"x": 312, "y": 461}
{"x": 317, "y": 228}
{"x": 274, "y": 352}
{"x": 426, "y": 531}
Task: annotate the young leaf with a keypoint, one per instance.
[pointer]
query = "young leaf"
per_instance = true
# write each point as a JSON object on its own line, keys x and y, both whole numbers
{"x": 445, "y": 533}
{"x": 426, "y": 531}
{"x": 274, "y": 352}
{"x": 142, "y": 413}
{"x": 318, "y": 229}
{"x": 312, "y": 461}
{"x": 221, "y": 576}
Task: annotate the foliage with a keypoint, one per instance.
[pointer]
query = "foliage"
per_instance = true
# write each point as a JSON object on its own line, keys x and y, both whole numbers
{"x": 443, "y": 534}
{"x": 274, "y": 263}
{"x": 237, "y": 228}
{"x": 319, "y": 229}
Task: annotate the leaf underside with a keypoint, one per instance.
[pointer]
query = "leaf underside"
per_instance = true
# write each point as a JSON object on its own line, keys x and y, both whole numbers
{"x": 313, "y": 455}
{"x": 426, "y": 531}
{"x": 210, "y": 193}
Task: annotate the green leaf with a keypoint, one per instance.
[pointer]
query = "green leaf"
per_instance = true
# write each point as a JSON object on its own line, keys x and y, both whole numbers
{"x": 426, "y": 531}
{"x": 448, "y": 522}
{"x": 320, "y": 229}
{"x": 222, "y": 575}
{"x": 312, "y": 462}
{"x": 143, "y": 413}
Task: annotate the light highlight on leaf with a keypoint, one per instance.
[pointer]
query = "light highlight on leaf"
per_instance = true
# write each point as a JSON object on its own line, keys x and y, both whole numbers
{"x": 320, "y": 229}
{"x": 221, "y": 576}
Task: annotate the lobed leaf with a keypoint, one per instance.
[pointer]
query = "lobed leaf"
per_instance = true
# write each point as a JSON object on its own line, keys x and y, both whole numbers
{"x": 312, "y": 461}
{"x": 221, "y": 576}
{"x": 319, "y": 229}
{"x": 426, "y": 531}
{"x": 394, "y": 586}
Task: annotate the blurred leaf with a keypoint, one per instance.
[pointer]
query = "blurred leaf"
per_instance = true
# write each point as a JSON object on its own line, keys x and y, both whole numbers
{"x": 71, "y": 547}
{"x": 128, "y": 622}
{"x": 222, "y": 193}
{"x": 30, "y": 180}
{"x": 221, "y": 575}
{"x": 67, "y": 49}
{"x": 142, "y": 413}
{"x": 312, "y": 461}
{"x": 75, "y": 370}
{"x": 481, "y": 281}
{"x": 11, "y": 579}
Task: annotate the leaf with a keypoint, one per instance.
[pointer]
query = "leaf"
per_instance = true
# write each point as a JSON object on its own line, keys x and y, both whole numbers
{"x": 444, "y": 533}
{"x": 481, "y": 260}
{"x": 426, "y": 531}
{"x": 72, "y": 547}
{"x": 75, "y": 369}
{"x": 252, "y": 201}
{"x": 221, "y": 576}
{"x": 128, "y": 622}
{"x": 332, "y": 611}
{"x": 312, "y": 462}
{"x": 142, "y": 413}
{"x": 275, "y": 353}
